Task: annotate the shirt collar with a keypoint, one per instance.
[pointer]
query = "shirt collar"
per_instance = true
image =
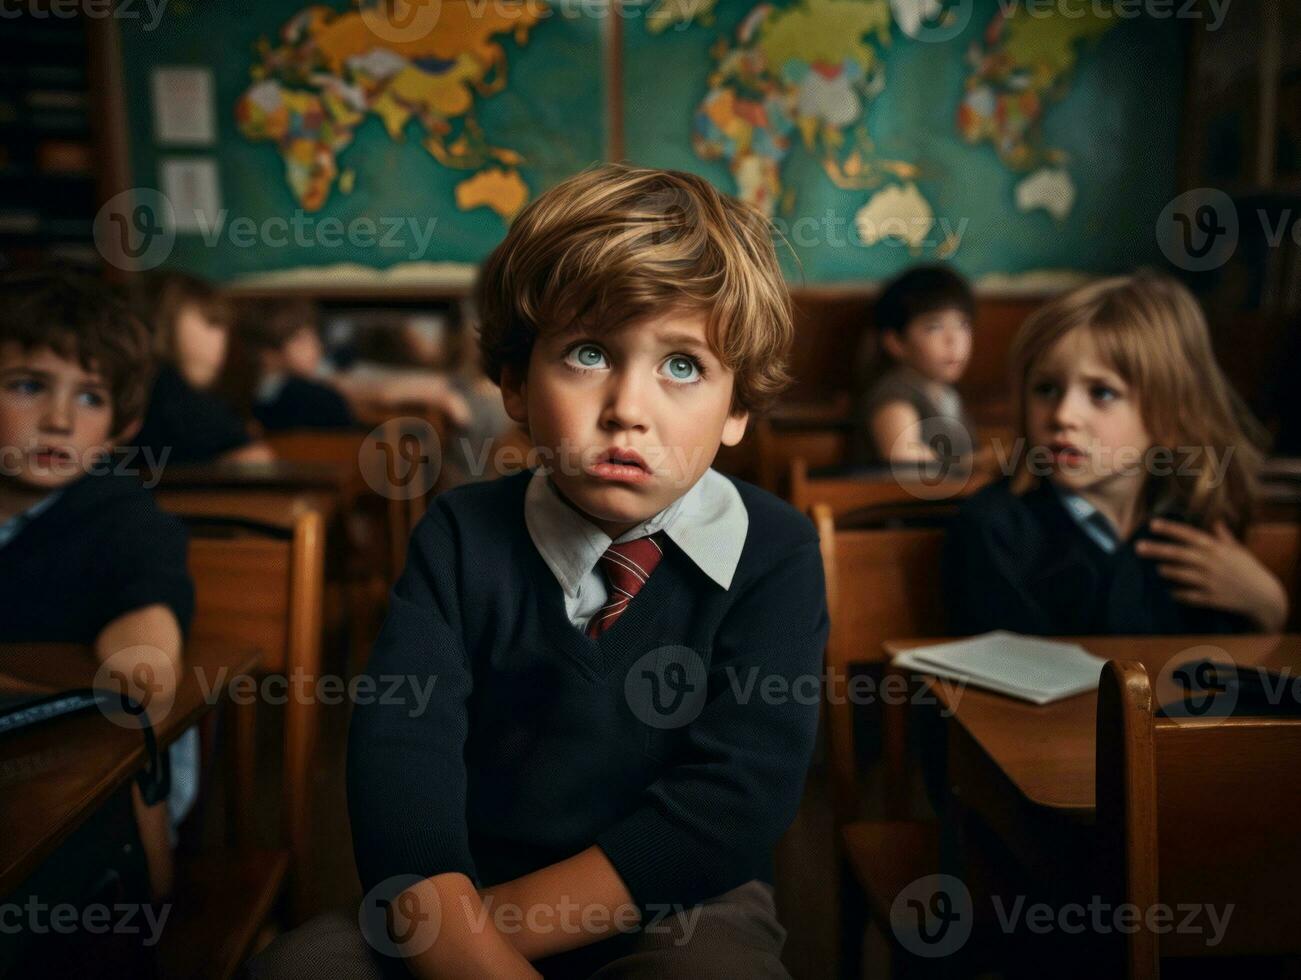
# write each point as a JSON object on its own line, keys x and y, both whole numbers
{"x": 269, "y": 388}
{"x": 709, "y": 523}
{"x": 11, "y": 528}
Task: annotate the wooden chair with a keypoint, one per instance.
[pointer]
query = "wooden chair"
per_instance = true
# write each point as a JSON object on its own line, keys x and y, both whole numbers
{"x": 260, "y": 587}
{"x": 881, "y": 584}
{"x": 398, "y": 460}
{"x": 1278, "y": 546}
{"x": 1195, "y": 811}
{"x": 847, "y": 493}
{"x": 777, "y": 444}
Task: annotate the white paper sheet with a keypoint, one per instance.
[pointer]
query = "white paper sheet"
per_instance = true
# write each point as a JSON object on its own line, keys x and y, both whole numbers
{"x": 1026, "y": 667}
{"x": 184, "y": 114}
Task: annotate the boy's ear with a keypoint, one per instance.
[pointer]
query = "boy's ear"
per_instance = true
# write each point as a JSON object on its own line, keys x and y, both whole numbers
{"x": 514, "y": 394}
{"x": 892, "y": 344}
{"x": 126, "y": 434}
{"x": 734, "y": 428}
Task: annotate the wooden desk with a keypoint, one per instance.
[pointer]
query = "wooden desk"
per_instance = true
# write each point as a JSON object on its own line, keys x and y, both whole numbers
{"x": 1047, "y": 751}
{"x": 339, "y": 478}
{"x": 55, "y": 774}
{"x": 279, "y": 508}
{"x": 1028, "y": 770}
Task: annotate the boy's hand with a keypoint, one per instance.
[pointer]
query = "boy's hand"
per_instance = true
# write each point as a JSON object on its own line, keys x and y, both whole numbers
{"x": 1216, "y": 570}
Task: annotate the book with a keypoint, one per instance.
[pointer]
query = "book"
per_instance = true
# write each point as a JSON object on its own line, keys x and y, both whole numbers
{"x": 1026, "y": 667}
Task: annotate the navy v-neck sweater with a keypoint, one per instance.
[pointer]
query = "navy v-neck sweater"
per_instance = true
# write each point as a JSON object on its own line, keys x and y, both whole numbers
{"x": 677, "y": 742}
{"x": 1022, "y": 563}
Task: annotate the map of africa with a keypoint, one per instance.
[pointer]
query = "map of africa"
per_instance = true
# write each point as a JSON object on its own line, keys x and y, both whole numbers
{"x": 333, "y": 69}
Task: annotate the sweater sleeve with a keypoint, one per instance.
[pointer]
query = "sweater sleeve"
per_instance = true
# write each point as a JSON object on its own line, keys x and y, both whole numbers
{"x": 144, "y": 563}
{"x": 406, "y": 744}
{"x": 710, "y": 821}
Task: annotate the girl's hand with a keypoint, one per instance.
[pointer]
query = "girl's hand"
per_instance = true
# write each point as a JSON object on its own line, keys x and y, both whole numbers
{"x": 1216, "y": 570}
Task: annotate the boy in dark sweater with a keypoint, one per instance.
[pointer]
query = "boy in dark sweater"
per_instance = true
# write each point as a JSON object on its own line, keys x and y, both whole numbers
{"x": 623, "y": 640}
{"x": 86, "y": 557}
{"x": 284, "y": 343}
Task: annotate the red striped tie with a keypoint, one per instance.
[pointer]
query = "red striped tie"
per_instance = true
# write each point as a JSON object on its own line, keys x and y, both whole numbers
{"x": 627, "y": 566}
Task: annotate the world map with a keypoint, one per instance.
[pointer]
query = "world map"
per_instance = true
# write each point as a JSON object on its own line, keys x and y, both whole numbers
{"x": 1025, "y": 146}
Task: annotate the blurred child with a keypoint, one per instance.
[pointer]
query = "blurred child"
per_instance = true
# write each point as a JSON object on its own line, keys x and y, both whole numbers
{"x": 85, "y": 555}
{"x": 190, "y": 322}
{"x": 283, "y": 340}
{"x": 909, "y": 410}
{"x": 1126, "y": 510}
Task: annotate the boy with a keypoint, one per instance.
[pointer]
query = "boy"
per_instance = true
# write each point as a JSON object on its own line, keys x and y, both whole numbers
{"x": 612, "y": 749}
{"x": 86, "y": 557}
{"x": 285, "y": 344}
{"x": 910, "y": 411}
{"x": 184, "y": 415}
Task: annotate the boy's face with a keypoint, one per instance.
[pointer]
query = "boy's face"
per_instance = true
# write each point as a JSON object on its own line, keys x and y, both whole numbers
{"x": 936, "y": 345}
{"x": 630, "y": 420}
{"x": 1087, "y": 417}
{"x": 200, "y": 347}
{"x": 302, "y": 352}
{"x": 55, "y": 417}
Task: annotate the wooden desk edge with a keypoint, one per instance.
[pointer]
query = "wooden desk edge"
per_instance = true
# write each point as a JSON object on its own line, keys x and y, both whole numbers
{"x": 13, "y": 874}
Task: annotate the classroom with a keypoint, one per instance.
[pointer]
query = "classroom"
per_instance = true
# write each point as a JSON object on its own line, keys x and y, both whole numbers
{"x": 655, "y": 490}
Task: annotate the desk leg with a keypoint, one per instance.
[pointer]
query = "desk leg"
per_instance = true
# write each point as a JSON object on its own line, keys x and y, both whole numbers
{"x": 243, "y": 730}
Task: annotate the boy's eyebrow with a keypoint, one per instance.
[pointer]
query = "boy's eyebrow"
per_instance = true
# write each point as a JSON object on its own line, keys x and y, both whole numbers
{"x": 88, "y": 381}
{"x": 682, "y": 340}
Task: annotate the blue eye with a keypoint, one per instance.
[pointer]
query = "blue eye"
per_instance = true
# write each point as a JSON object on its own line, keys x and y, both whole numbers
{"x": 1103, "y": 393}
{"x": 682, "y": 368}
{"x": 585, "y": 356}
{"x": 25, "y": 386}
{"x": 92, "y": 399}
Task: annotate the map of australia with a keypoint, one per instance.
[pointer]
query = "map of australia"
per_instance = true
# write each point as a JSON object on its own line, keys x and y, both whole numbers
{"x": 421, "y": 60}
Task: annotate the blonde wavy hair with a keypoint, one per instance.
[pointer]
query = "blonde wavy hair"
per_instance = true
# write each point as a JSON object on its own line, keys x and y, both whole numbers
{"x": 615, "y": 244}
{"x": 1152, "y": 332}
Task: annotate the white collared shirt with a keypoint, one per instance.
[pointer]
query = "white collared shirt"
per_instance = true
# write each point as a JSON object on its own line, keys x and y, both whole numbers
{"x": 9, "y": 529}
{"x": 1091, "y": 521}
{"x": 708, "y": 522}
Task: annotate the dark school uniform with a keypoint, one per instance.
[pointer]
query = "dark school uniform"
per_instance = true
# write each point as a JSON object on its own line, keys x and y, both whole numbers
{"x": 84, "y": 556}
{"x": 191, "y": 426}
{"x": 1039, "y": 563}
{"x": 297, "y": 403}
{"x": 537, "y": 741}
